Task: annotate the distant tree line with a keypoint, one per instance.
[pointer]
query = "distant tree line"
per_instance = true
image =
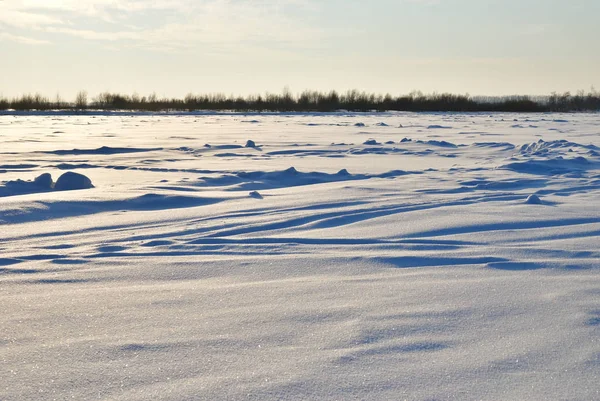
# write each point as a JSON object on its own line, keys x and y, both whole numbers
{"x": 312, "y": 101}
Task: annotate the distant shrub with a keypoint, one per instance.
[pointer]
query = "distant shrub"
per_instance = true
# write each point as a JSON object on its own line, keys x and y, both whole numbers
{"x": 315, "y": 101}
{"x": 31, "y": 102}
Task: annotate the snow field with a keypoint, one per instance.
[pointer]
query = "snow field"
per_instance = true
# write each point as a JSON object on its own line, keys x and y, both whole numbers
{"x": 293, "y": 256}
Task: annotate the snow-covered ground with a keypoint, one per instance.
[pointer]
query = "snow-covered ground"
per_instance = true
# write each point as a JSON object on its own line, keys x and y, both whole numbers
{"x": 337, "y": 257}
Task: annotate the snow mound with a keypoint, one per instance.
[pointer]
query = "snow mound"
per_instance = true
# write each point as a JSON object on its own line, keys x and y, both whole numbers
{"x": 44, "y": 183}
{"x": 533, "y": 200}
{"x": 291, "y": 171}
{"x": 371, "y": 142}
{"x": 71, "y": 181}
{"x": 441, "y": 144}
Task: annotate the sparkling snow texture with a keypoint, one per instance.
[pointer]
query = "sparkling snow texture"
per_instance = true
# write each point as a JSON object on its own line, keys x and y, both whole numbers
{"x": 287, "y": 256}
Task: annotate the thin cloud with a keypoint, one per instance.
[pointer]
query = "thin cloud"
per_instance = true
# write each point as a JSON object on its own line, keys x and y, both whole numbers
{"x": 27, "y": 20}
{"x": 537, "y": 29}
{"x": 190, "y": 23}
{"x": 22, "y": 39}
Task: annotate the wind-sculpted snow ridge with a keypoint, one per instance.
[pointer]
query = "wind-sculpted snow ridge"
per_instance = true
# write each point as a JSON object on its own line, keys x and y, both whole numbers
{"x": 58, "y": 209}
{"x": 104, "y": 150}
{"x": 502, "y": 145}
{"x": 16, "y": 167}
{"x": 443, "y": 144}
{"x": 422, "y": 256}
{"x": 552, "y": 166}
{"x": 437, "y": 126}
{"x": 542, "y": 148}
{"x": 257, "y": 180}
{"x": 555, "y": 158}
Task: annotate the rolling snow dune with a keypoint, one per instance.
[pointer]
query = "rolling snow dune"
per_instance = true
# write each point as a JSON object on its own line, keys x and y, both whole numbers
{"x": 441, "y": 256}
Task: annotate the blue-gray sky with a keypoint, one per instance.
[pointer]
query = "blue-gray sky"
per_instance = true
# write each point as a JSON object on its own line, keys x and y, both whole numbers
{"x": 173, "y": 47}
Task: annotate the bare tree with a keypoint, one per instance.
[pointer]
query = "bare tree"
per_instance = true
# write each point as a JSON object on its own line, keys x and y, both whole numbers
{"x": 81, "y": 100}
{"x": 58, "y": 102}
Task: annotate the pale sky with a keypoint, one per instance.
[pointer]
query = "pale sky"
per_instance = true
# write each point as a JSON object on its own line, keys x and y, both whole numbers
{"x": 174, "y": 47}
